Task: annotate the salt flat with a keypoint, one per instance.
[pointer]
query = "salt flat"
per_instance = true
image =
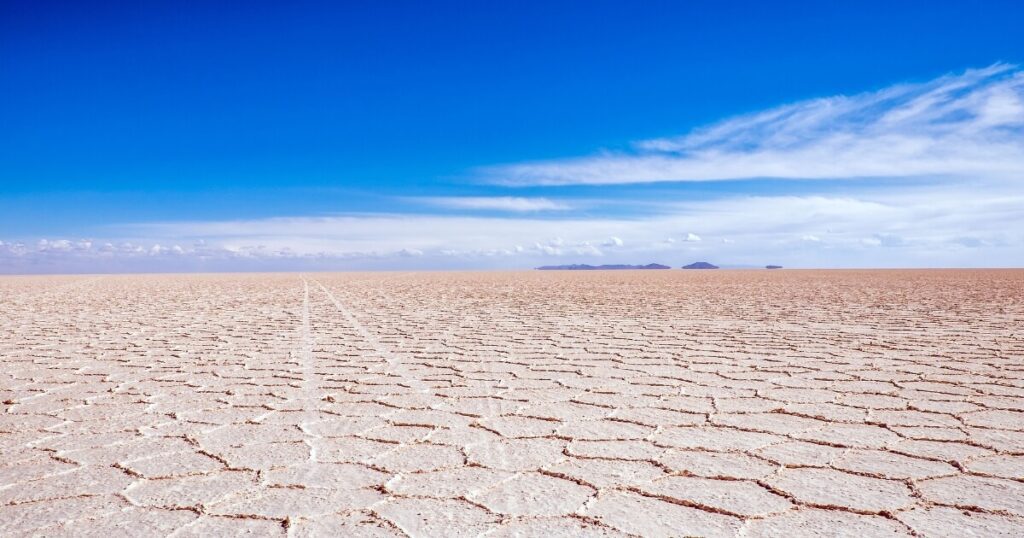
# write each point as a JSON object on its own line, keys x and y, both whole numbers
{"x": 654, "y": 403}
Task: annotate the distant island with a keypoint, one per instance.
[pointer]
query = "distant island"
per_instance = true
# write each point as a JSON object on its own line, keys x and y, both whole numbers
{"x": 613, "y": 267}
{"x": 700, "y": 265}
{"x": 773, "y": 267}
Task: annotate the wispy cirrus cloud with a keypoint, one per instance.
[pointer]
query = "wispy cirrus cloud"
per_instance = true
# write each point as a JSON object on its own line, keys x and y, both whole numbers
{"x": 495, "y": 203}
{"x": 969, "y": 125}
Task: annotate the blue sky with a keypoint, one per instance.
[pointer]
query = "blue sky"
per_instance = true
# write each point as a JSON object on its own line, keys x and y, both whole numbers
{"x": 398, "y": 135}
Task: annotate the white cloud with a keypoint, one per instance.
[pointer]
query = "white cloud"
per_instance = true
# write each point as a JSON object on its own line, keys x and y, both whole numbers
{"x": 871, "y": 241}
{"x": 692, "y": 238}
{"x": 497, "y": 203}
{"x": 57, "y": 245}
{"x": 612, "y": 242}
{"x": 969, "y": 125}
{"x": 547, "y": 249}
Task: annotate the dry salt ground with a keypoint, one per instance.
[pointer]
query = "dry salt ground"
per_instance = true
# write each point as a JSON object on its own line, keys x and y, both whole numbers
{"x": 655, "y": 403}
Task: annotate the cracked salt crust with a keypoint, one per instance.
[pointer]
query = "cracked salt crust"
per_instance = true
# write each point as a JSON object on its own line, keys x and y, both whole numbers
{"x": 730, "y": 403}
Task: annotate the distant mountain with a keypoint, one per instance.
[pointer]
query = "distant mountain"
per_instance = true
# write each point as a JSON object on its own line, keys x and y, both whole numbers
{"x": 773, "y": 267}
{"x": 700, "y": 265}
{"x": 614, "y": 267}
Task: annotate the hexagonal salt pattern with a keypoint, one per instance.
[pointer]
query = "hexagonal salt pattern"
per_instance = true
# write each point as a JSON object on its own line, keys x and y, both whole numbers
{"x": 730, "y": 403}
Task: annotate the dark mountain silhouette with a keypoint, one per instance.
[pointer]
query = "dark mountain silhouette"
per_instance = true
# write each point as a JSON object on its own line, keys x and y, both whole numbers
{"x": 700, "y": 265}
{"x": 773, "y": 267}
{"x": 613, "y": 267}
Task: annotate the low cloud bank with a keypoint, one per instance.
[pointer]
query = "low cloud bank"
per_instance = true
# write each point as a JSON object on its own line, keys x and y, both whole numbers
{"x": 937, "y": 226}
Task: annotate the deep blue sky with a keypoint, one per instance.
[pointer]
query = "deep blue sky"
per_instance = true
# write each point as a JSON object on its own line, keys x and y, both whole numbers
{"x": 147, "y": 111}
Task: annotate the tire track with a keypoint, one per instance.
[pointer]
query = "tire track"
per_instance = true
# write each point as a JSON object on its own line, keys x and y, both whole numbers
{"x": 394, "y": 363}
{"x": 307, "y": 369}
